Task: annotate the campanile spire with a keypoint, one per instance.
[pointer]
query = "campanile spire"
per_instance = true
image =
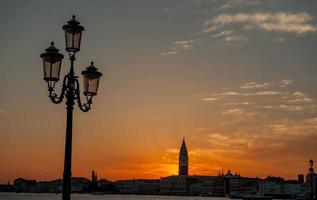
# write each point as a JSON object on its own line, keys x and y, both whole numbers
{"x": 183, "y": 159}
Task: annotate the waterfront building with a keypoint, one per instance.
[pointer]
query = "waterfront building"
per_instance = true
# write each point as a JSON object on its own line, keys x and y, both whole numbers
{"x": 272, "y": 185}
{"x": 300, "y": 178}
{"x": 279, "y": 188}
{"x": 138, "y": 186}
{"x": 187, "y": 185}
{"x": 6, "y": 187}
{"x": 54, "y": 186}
{"x": 295, "y": 188}
{"x": 311, "y": 181}
{"x": 79, "y": 184}
{"x": 243, "y": 185}
{"x": 23, "y": 185}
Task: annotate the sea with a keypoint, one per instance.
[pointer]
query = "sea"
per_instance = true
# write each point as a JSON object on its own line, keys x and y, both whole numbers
{"x": 50, "y": 196}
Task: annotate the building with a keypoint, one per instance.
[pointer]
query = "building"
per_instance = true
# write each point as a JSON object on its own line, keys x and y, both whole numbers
{"x": 311, "y": 181}
{"x": 294, "y": 188}
{"x": 6, "y": 187}
{"x": 243, "y": 186}
{"x": 187, "y": 185}
{"x": 138, "y": 186}
{"x": 279, "y": 188}
{"x": 23, "y": 185}
{"x": 183, "y": 160}
{"x": 79, "y": 184}
{"x": 272, "y": 186}
{"x": 54, "y": 186}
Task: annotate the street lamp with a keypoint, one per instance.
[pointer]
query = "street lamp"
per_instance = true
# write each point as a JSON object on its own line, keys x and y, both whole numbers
{"x": 52, "y": 62}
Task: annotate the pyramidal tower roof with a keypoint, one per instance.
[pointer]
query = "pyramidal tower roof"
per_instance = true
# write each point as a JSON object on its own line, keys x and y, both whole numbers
{"x": 183, "y": 148}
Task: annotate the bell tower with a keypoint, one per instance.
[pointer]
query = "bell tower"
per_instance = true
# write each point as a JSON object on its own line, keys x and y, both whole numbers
{"x": 183, "y": 160}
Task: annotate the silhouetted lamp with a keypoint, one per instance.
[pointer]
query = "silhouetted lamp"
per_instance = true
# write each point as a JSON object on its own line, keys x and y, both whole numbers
{"x": 52, "y": 61}
{"x": 73, "y": 31}
{"x": 91, "y": 77}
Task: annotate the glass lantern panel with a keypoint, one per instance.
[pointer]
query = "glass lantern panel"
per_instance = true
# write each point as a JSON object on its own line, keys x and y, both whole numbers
{"x": 69, "y": 40}
{"x": 91, "y": 86}
{"x": 46, "y": 69}
{"x": 52, "y": 69}
{"x": 77, "y": 39}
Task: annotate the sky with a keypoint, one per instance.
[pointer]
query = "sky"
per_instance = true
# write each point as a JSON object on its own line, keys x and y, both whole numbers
{"x": 236, "y": 78}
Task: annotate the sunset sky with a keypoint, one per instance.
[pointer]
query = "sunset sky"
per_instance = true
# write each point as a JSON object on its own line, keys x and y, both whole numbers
{"x": 236, "y": 78}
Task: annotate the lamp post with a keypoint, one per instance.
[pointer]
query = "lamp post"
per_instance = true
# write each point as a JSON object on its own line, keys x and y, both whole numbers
{"x": 52, "y": 62}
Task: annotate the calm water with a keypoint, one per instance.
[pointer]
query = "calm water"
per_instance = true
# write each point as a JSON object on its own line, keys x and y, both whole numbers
{"x": 35, "y": 196}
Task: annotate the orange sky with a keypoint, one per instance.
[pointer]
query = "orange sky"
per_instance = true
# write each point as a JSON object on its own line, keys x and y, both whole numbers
{"x": 237, "y": 80}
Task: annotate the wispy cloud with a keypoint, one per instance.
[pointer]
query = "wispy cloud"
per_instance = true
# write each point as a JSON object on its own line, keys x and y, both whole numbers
{"x": 302, "y": 127}
{"x": 180, "y": 46}
{"x": 237, "y": 3}
{"x": 210, "y": 99}
{"x": 251, "y": 95}
{"x": 228, "y": 37}
{"x": 218, "y": 96}
{"x": 286, "y": 82}
{"x": 298, "y": 23}
{"x": 252, "y": 85}
{"x": 297, "y": 98}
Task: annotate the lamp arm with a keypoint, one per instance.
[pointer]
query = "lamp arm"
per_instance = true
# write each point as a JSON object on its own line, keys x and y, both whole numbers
{"x": 54, "y": 97}
{"x": 83, "y": 107}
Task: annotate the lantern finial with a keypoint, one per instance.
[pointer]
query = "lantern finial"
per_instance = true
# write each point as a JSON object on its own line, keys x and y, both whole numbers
{"x": 73, "y": 16}
{"x": 52, "y": 43}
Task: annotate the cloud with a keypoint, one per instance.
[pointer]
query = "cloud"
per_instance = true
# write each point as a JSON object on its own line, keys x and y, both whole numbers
{"x": 264, "y": 93}
{"x": 211, "y": 99}
{"x": 297, "y": 98}
{"x": 236, "y": 39}
{"x": 217, "y": 96}
{"x": 223, "y": 33}
{"x": 301, "y": 127}
{"x": 235, "y": 111}
{"x": 252, "y": 85}
{"x": 298, "y": 23}
{"x": 237, "y": 3}
{"x": 179, "y": 46}
{"x": 209, "y": 29}
{"x": 238, "y": 103}
{"x": 230, "y": 38}
{"x": 253, "y": 98}
{"x": 286, "y": 82}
